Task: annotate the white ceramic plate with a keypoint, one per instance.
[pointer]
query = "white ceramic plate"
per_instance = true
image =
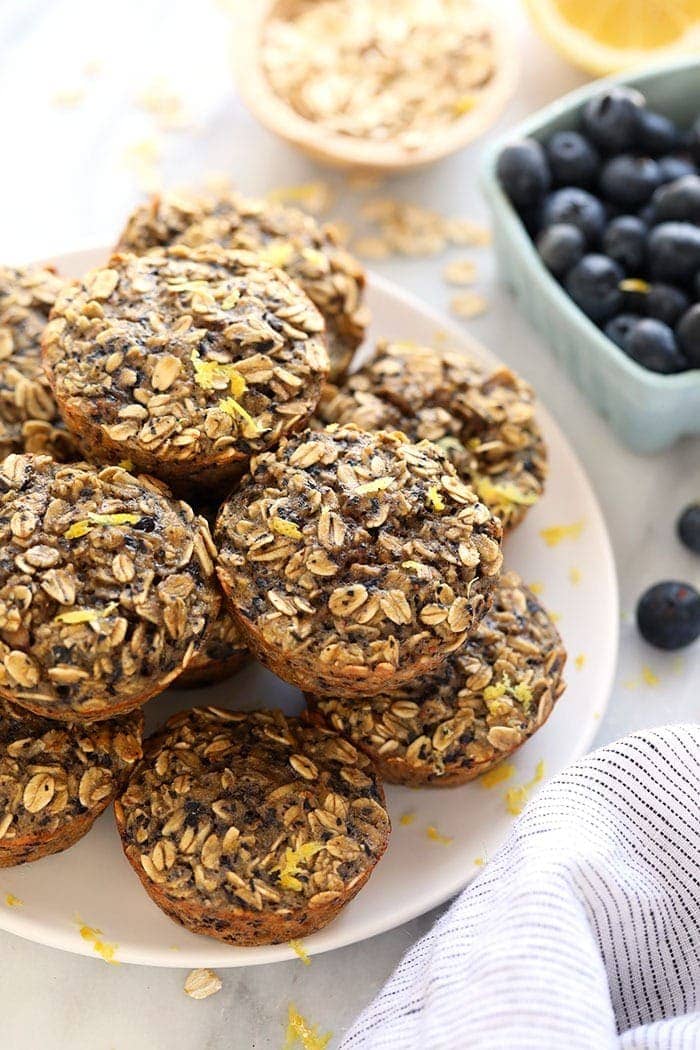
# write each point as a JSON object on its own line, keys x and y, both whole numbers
{"x": 92, "y": 883}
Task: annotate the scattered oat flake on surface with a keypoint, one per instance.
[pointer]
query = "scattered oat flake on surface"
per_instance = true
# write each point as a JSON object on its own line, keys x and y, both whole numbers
{"x": 406, "y": 819}
{"x": 555, "y": 534}
{"x": 459, "y": 271}
{"x": 314, "y": 197}
{"x": 164, "y": 104}
{"x": 299, "y": 949}
{"x": 435, "y": 836}
{"x": 516, "y": 797}
{"x": 102, "y": 948}
{"x": 466, "y": 233}
{"x": 300, "y": 1033}
{"x": 13, "y": 902}
{"x": 372, "y": 248}
{"x": 468, "y": 304}
{"x": 575, "y": 575}
{"x": 200, "y": 984}
{"x": 650, "y": 677}
{"x": 498, "y": 775}
{"x": 580, "y": 661}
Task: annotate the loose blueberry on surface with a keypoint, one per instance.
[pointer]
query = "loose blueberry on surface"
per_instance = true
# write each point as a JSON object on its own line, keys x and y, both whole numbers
{"x": 573, "y": 160}
{"x": 652, "y": 344}
{"x": 629, "y": 180}
{"x": 688, "y": 332}
{"x": 668, "y": 615}
{"x": 619, "y": 328}
{"x": 625, "y": 241}
{"x": 576, "y": 207}
{"x": 675, "y": 167}
{"x": 560, "y": 247}
{"x": 666, "y": 303}
{"x": 689, "y": 527}
{"x": 611, "y": 119}
{"x": 674, "y": 251}
{"x": 678, "y": 201}
{"x": 694, "y": 141}
{"x": 523, "y": 172}
{"x": 594, "y": 285}
{"x": 656, "y": 133}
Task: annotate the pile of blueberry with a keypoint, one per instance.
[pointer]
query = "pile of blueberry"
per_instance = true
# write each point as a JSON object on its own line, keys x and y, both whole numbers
{"x": 614, "y": 209}
{"x": 668, "y": 614}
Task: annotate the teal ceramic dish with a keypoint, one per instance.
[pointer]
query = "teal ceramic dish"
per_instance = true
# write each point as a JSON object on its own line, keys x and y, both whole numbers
{"x": 648, "y": 411}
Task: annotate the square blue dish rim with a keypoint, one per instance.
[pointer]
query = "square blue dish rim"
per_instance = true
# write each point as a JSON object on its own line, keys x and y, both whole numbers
{"x": 560, "y": 115}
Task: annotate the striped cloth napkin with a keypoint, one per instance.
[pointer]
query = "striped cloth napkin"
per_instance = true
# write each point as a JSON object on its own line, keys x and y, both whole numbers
{"x": 583, "y": 933}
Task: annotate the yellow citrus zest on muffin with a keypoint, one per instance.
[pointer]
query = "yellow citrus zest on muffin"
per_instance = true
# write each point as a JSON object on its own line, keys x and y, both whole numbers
{"x": 77, "y": 529}
{"x": 285, "y": 528}
{"x": 211, "y": 374}
{"x": 435, "y": 836}
{"x": 517, "y": 797}
{"x": 503, "y": 495}
{"x": 434, "y": 499}
{"x": 231, "y": 407}
{"x": 497, "y": 775}
{"x": 293, "y": 860}
{"x": 86, "y": 615}
{"x": 463, "y": 105}
{"x": 299, "y": 1031}
{"x": 102, "y": 948}
{"x": 81, "y": 528}
{"x": 126, "y": 464}
{"x": 407, "y": 819}
{"x": 315, "y": 257}
{"x": 378, "y": 485}
{"x": 277, "y": 253}
{"x": 520, "y": 692}
{"x": 554, "y": 535}
{"x": 300, "y": 950}
{"x": 13, "y": 902}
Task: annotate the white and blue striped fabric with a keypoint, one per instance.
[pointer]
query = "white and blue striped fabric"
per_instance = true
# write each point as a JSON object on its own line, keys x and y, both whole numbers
{"x": 583, "y": 933}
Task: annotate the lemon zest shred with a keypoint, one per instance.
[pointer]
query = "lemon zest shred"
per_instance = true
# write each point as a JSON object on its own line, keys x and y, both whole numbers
{"x": 300, "y": 1032}
{"x": 277, "y": 253}
{"x": 537, "y": 587}
{"x": 498, "y": 775}
{"x": 300, "y": 950}
{"x": 102, "y": 948}
{"x": 575, "y": 575}
{"x": 81, "y": 528}
{"x": 435, "y": 836}
{"x": 504, "y": 496}
{"x": 463, "y": 105}
{"x": 580, "y": 661}
{"x": 650, "y": 677}
{"x": 406, "y": 819}
{"x": 554, "y": 535}
{"x": 77, "y": 529}
{"x": 230, "y": 406}
{"x": 13, "y": 902}
{"x": 377, "y": 485}
{"x": 516, "y": 797}
{"x": 86, "y": 615}
{"x": 283, "y": 527}
{"x": 479, "y": 862}
{"x": 634, "y": 284}
{"x": 435, "y": 500}
{"x": 206, "y": 373}
{"x": 291, "y": 865}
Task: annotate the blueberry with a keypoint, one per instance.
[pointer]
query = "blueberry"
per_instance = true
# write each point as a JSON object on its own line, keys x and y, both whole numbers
{"x": 666, "y": 303}
{"x": 668, "y": 615}
{"x": 652, "y": 345}
{"x": 678, "y": 201}
{"x": 674, "y": 252}
{"x": 629, "y": 180}
{"x": 577, "y": 207}
{"x": 560, "y": 247}
{"x": 573, "y": 160}
{"x": 657, "y": 134}
{"x": 647, "y": 214}
{"x": 689, "y": 527}
{"x": 619, "y": 328}
{"x": 523, "y": 172}
{"x": 674, "y": 167}
{"x": 625, "y": 241}
{"x": 688, "y": 332}
{"x": 694, "y": 140}
{"x": 594, "y": 285}
{"x": 611, "y": 119}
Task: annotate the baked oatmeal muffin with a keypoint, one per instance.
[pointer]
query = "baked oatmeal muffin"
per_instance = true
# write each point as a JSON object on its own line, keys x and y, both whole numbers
{"x": 310, "y": 253}
{"x": 483, "y": 703}
{"x": 185, "y": 361}
{"x": 482, "y": 416}
{"x": 352, "y": 559}
{"x": 106, "y": 586}
{"x": 29, "y": 417}
{"x": 55, "y": 780}
{"x": 219, "y": 654}
{"x": 251, "y": 827}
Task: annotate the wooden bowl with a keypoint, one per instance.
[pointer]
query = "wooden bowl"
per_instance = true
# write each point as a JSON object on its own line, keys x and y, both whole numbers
{"x": 345, "y": 151}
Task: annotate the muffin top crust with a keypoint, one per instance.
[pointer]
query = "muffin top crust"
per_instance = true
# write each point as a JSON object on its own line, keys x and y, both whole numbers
{"x": 106, "y": 585}
{"x": 252, "y": 810}
{"x": 363, "y": 551}
{"x": 482, "y": 417}
{"x": 185, "y": 358}
{"x": 309, "y": 252}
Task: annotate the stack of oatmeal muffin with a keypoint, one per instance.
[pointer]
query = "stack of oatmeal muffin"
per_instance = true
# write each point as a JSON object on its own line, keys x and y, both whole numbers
{"x": 198, "y": 383}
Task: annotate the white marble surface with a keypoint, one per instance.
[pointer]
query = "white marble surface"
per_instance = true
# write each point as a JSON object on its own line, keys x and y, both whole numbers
{"x": 65, "y": 184}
